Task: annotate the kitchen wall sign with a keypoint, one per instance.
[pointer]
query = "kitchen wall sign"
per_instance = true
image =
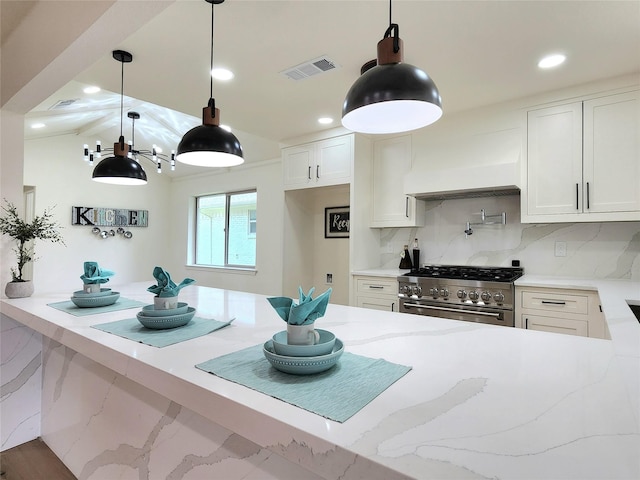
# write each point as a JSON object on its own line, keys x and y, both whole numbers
{"x": 109, "y": 217}
{"x": 336, "y": 222}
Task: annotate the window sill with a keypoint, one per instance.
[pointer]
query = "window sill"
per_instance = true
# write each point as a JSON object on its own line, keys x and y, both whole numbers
{"x": 230, "y": 270}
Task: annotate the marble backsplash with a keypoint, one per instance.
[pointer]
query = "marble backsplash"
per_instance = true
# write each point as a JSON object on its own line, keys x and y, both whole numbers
{"x": 593, "y": 250}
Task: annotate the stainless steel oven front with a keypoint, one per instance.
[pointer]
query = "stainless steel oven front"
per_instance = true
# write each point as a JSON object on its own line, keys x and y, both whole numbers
{"x": 481, "y": 301}
{"x": 467, "y": 313}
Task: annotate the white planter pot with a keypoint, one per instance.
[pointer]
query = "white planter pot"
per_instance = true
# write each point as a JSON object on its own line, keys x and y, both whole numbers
{"x": 19, "y": 289}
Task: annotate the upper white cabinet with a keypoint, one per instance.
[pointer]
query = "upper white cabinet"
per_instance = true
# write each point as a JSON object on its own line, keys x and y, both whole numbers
{"x": 390, "y": 206}
{"x": 318, "y": 164}
{"x": 583, "y": 161}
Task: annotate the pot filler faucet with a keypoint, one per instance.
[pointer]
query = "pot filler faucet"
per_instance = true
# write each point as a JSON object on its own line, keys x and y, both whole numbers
{"x": 485, "y": 220}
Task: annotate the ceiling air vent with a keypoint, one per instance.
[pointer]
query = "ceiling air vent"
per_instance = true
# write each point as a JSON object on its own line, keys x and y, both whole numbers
{"x": 310, "y": 68}
{"x": 63, "y": 104}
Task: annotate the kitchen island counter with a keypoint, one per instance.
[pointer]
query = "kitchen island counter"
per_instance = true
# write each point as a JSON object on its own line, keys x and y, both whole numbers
{"x": 481, "y": 401}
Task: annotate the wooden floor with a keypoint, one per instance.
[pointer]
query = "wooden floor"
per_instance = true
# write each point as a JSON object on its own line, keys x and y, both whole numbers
{"x": 32, "y": 461}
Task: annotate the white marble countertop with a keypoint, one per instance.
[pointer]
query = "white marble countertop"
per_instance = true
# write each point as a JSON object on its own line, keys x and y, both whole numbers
{"x": 381, "y": 272}
{"x": 482, "y": 401}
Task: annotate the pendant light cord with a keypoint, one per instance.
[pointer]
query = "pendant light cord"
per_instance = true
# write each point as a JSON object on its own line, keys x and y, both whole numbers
{"x": 121, "y": 102}
{"x": 212, "y": 102}
{"x": 393, "y": 27}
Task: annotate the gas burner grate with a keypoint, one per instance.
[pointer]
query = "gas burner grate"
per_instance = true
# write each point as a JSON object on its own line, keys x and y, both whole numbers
{"x": 492, "y": 274}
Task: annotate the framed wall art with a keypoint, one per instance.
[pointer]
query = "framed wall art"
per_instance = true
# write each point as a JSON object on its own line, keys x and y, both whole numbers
{"x": 336, "y": 222}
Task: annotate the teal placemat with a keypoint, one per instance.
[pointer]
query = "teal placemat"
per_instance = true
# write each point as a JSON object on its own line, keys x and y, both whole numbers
{"x": 121, "y": 304}
{"x": 132, "y": 329}
{"x": 336, "y": 394}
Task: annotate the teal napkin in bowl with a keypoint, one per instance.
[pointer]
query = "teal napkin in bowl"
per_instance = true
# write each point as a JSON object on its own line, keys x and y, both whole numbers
{"x": 94, "y": 274}
{"x": 306, "y": 311}
{"x": 165, "y": 286}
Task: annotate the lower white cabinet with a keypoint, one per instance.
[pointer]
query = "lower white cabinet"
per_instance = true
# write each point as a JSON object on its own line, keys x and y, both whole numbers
{"x": 558, "y": 310}
{"x": 378, "y": 293}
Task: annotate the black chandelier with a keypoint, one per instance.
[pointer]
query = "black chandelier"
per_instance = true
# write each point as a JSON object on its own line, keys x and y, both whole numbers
{"x": 122, "y": 168}
{"x": 155, "y": 155}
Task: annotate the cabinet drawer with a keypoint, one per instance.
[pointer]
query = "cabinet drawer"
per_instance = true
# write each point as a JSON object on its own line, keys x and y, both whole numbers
{"x": 375, "y": 286}
{"x": 385, "y": 303}
{"x": 556, "y": 325}
{"x": 555, "y": 302}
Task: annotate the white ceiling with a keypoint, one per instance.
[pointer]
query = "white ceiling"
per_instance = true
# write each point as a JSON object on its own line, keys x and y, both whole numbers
{"x": 477, "y": 52}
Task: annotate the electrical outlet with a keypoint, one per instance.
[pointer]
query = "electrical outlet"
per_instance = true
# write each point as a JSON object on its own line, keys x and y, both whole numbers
{"x": 329, "y": 278}
{"x": 389, "y": 247}
{"x": 561, "y": 249}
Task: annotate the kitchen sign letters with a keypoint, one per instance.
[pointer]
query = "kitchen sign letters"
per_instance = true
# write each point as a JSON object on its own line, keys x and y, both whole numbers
{"x": 336, "y": 222}
{"x": 109, "y": 217}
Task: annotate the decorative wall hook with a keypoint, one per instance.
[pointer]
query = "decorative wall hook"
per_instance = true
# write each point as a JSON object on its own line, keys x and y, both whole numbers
{"x": 112, "y": 233}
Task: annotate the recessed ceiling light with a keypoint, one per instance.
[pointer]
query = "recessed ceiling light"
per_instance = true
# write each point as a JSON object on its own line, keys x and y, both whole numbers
{"x": 222, "y": 74}
{"x": 551, "y": 61}
{"x": 38, "y": 125}
{"x": 325, "y": 120}
{"x": 226, "y": 127}
{"x": 91, "y": 90}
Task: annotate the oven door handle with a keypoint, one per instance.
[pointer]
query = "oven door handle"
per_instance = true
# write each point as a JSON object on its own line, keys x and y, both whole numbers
{"x": 456, "y": 310}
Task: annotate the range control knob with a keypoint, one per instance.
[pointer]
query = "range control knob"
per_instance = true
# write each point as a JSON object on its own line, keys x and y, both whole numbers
{"x": 417, "y": 290}
{"x": 433, "y": 292}
{"x": 444, "y": 293}
{"x": 461, "y": 294}
{"x": 486, "y": 296}
{"x": 498, "y": 297}
{"x": 473, "y": 295}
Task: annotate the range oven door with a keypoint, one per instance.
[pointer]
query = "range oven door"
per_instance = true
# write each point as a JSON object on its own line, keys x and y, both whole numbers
{"x": 467, "y": 313}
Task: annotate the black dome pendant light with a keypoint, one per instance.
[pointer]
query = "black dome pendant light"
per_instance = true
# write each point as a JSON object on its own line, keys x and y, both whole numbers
{"x": 209, "y": 145}
{"x": 120, "y": 169}
{"x": 391, "y": 96}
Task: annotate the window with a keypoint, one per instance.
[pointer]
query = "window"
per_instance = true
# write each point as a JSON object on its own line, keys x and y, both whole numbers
{"x": 226, "y": 227}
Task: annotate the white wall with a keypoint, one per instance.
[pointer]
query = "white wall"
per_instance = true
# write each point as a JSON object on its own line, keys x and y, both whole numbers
{"x": 266, "y": 177}
{"x": 54, "y": 166}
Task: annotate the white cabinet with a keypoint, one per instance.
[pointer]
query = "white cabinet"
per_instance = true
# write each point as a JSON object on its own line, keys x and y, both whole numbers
{"x": 318, "y": 164}
{"x": 390, "y": 206}
{"x": 378, "y": 293}
{"x": 583, "y": 161}
{"x": 572, "y": 312}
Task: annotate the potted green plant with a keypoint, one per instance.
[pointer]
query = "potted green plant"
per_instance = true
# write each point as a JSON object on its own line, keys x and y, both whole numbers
{"x": 42, "y": 227}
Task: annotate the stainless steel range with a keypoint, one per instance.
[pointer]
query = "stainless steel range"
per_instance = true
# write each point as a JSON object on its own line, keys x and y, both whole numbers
{"x": 474, "y": 294}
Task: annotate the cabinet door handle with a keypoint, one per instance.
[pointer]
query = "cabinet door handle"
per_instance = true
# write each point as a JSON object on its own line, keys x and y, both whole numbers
{"x": 309, "y": 173}
{"x": 553, "y": 302}
{"x": 377, "y": 287}
{"x": 406, "y": 207}
{"x": 317, "y": 171}
{"x": 587, "y": 195}
{"x": 526, "y": 323}
{"x": 393, "y": 306}
{"x": 577, "y": 197}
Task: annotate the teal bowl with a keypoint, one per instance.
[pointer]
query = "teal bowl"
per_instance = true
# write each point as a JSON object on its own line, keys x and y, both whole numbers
{"x": 323, "y": 347}
{"x": 303, "y": 365}
{"x": 93, "y": 302}
{"x": 164, "y": 323}
{"x": 150, "y": 310}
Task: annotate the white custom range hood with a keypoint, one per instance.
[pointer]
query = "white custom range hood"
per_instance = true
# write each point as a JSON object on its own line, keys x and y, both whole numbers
{"x": 481, "y": 165}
